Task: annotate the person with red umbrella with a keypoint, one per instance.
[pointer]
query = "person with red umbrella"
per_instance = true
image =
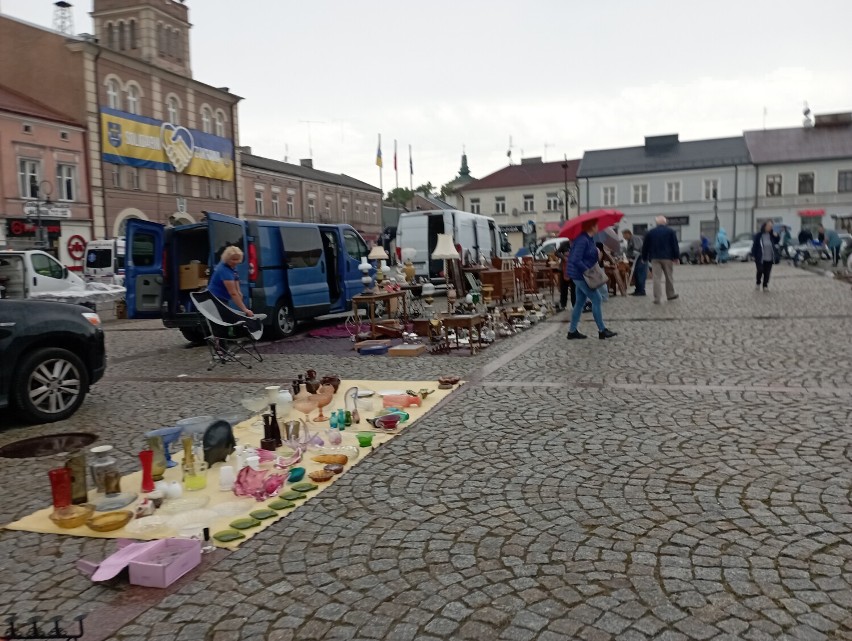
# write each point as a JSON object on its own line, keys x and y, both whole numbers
{"x": 584, "y": 254}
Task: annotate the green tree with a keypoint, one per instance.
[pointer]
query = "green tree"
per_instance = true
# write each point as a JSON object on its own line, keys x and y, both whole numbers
{"x": 425, "y": 188}
{"x": 447, "y": 189}
{"x": 400, "y": 195}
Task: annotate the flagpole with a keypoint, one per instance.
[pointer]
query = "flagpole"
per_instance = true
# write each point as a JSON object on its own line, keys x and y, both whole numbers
{"x": 410, "y": 170}
{"x": 380, "y": 164}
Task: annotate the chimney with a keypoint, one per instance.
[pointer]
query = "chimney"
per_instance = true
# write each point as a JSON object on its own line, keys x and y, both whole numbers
{"x": 531, "y": 161}
{"x": 307, "y": 162}
{"x": 661, "y": 143}
{"x": 834, "y": 120}
{"x": 245, "y": 150}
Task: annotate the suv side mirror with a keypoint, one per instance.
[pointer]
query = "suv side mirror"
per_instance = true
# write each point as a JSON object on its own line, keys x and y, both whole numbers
{"x": 65, "y": 273}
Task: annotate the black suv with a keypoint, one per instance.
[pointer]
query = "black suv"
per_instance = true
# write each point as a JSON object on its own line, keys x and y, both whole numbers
{"x": 50, "y": 353}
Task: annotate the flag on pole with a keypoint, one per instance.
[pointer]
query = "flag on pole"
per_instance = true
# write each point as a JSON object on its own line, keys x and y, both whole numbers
{"x": 410, "y": 162}
{"x": 394, "y": 154}
{"x": 379, "y": 153}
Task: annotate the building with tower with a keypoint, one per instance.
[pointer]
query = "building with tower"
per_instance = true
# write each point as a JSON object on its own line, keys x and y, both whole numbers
{"x": 159, "y": 143}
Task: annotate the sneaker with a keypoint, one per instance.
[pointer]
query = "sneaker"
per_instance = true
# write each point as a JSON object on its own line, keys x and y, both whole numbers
{"x": 766, "y": 288}
{"x": 656, "y": 302}
{"x": 575, "y": 335}
{"x": 638, "y": 294}
{"x": 757, "y": 286}
{"x": 676, "y": 296}
{"x": 606, "y": 334}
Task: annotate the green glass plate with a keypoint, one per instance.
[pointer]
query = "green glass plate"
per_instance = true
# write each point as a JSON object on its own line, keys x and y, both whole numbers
{"x": 304, "y": 487}
{"x": 263, "y": 513}
{"x": 244, "y": 523}
{"x": 281, "y": 504}
{"x": 292, "y": 495}
{"x": 226, "y": 536}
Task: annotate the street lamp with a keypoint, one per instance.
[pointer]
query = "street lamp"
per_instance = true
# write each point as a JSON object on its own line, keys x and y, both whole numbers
{"x": 565, "y": 194}
{"x": 716, "y": 210}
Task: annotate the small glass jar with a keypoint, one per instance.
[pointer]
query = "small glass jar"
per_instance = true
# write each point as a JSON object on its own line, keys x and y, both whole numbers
{"x": 103, "y": 462}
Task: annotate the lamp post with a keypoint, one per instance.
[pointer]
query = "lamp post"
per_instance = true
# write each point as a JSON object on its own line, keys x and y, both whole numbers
{"x": 565, "y": 194}
{"x": 715, "y": 211}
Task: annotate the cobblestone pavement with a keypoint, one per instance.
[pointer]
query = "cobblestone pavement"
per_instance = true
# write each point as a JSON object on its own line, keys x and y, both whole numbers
{"x": 690, "y": 479}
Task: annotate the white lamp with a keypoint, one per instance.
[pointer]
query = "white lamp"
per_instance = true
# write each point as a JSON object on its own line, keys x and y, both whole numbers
{"x": 364, "y": 267}
{"x": 445, "y": 250}
{"x": 378, "y": 253}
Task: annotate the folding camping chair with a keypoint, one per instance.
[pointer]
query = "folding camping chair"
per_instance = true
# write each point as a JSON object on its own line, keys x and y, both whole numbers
{"x": 229, "y": 334}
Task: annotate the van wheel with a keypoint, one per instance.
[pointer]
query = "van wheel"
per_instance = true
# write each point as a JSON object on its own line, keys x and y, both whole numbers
{"x": 193, "y": 335}
{"x": 685, "y": 260}
{"x": 283, "y": 321}
{"x": 50, "y": 385}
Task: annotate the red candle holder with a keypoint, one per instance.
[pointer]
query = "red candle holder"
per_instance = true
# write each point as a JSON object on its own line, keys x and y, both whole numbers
{"x": 146, "y": 457}
{"x": 60, "y": 486}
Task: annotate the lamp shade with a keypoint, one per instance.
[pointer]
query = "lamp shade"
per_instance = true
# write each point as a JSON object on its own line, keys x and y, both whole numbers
{"x": 407, "y": 253}
{"x": 445, "y": 248}
{"x": 378, "y": 253}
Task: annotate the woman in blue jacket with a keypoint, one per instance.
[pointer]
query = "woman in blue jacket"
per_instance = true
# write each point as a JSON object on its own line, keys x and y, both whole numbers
{"x": 584, "y": 254}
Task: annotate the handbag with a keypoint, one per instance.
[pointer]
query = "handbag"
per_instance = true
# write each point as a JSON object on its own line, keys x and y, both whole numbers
{"x": 595, "y": 276}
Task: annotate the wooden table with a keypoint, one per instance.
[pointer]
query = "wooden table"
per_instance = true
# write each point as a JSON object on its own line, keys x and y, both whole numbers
{"x": 370, "y": 300}
{"x": 467, "y": 321}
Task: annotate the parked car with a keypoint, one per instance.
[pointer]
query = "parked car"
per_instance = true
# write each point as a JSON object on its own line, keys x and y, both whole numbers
{"x": 105, "y": 261}
{"x": 32, "y": 271}
{"x": 689, "y": 251}
{"x": 52, "y": 353}
{"x": 740, "y": 250}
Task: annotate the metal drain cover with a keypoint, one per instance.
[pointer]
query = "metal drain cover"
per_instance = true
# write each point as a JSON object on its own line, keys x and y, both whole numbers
{"x": 47, "y": 445}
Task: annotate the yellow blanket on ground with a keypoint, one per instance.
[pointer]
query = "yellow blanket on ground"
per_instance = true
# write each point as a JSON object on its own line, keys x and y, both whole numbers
{"x": 249, "y": 432}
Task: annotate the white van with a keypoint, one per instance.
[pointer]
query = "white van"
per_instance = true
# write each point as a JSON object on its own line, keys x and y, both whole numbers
{"x": 32, "y": 271}
{"x": 105, "y": 261}
{"x": 474, "y": 235}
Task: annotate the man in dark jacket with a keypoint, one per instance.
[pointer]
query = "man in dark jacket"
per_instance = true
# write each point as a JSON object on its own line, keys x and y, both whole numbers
{"x": 661, "y": 249}
{"x": 634, "y": 253}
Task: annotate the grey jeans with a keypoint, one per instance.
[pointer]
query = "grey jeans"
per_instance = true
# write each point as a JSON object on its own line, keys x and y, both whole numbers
{"x": 661, "y": 268}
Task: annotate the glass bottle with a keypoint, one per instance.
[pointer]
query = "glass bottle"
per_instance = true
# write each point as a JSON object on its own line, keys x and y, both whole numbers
{"x": 77, "y": 466}
{"x": 311, "y": 383}
{"x": 155, "y": 444}
{"x": 146, "y": 457}
{"x": 268, "y": 441}
{"x": 102, "y": 463}
{"x": 275, "y": 428}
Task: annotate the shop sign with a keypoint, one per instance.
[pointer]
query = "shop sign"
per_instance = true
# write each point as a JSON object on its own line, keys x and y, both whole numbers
{"x": 512, "y": 228}
{"x": 22, "y": 228}
{"x": 678, "y": 221}
{"x": 811, "y": 213}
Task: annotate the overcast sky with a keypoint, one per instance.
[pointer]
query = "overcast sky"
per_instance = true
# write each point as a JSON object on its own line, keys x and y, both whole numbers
{"x": 558, "y": 76}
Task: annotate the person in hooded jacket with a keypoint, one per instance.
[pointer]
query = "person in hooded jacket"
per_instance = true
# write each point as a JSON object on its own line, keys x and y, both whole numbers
{"x": 584, "y": 255}
{"x": 722, "y": 246}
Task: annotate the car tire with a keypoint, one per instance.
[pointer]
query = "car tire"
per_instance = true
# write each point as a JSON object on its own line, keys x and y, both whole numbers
{"x": 685, "y": 259}
{"x": 194, "y": 335}
{"x": 283, "y": 321}
{"x": 65, "y": 377}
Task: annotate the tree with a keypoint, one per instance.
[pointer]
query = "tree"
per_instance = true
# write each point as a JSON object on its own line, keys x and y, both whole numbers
{"x": 447, "y": 189}
{"x": 400, "y": 195}
{"x": 426, "y": 189}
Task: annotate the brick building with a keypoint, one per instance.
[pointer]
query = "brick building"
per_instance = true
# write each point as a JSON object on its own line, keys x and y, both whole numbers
{"x": 280, "y": 190}
{"x": 159, "y": 144}
{"x": 42, "y": 157}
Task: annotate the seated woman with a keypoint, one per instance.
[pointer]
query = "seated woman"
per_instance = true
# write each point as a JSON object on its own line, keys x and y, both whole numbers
{"x": 225, "y": 282}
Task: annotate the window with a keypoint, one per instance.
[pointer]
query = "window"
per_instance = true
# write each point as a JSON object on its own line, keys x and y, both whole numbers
{"x": 177, "y": 183}
{"x": 116, "y": 176}
{"x": 640, "y": 229}
{"x": 133, "y": 178}
{"x": 500, "y": 205}
{"x": 113, "y": 95}
{"x": 142, "y": 250}
{"x": 28, "y": 177}
{"x": 474, "y": 206}
{"x": 844, "y": 181}
{"x": 276, "y": 205}
{"x": 122, "y": 40}
{"x": 258, "y": 203}
{"x": 312, "y": 209}
{"x": 161, "y": 48}
{"x": 63, "y": 135}
{"x": 806, "y": 183}
{"x": 711, "y": 188}
{"x": 343, "y": 209}
{"x": 553, "y": 203}
{"x": 27, "y": 128}
{"x": 44, "y": 265}
{"x": 66, "y": 182}
{"x": 773, "y": 185}
{"x": 132, "y": 30}
{"x": 206, "y": 120}
{"x": 174, "y": 110}
{"x": 673, "y": 191}
{"x": 302, "y": 246}
{"x": 529, "y": 203}
{"x": 110, "y": 35}
{"x": 132, "y": 99}
{"x": 355, "y": 245}
{"x": 220, "y": 124}
{"x": 291, "y": 206}
{"x": 708, "y": 229}
{"x": 328, "y": 210}
{"x": 608, "y": 196}
{"x": 640, "y": 194}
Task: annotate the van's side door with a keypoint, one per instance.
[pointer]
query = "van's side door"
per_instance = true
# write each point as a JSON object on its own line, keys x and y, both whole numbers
{"x": 355, "y": 248}
{"x": 305, "y": 270}
{"x": 485, "y": 247}
{"x": 225, "y": 231}
{"x": 144, "y": 268}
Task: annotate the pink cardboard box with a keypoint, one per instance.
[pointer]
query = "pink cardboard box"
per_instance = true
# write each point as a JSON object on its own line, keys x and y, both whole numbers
{"x": 164, "y": 562}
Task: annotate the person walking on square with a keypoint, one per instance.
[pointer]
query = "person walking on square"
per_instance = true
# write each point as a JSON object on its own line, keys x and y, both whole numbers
{"x": 661, "y": 249}
{"x": 722, "y": 247}
{"x": 633, "y": 251}
{"x": 763, "y": 249}
{"x": 833, "y": 242}
{"x": 566, "y": 285}
{"x": 584, "y": 255}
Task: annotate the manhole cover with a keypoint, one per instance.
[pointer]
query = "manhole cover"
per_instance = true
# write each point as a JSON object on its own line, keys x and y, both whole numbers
{"x": 47, "y": 445}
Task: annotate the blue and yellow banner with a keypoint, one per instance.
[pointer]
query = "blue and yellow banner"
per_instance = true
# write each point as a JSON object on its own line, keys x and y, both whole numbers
{"x": 128, "y": 139}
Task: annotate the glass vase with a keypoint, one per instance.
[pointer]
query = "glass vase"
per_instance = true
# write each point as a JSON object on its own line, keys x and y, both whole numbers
{"x": 146, "y": 457}
{"x": 158, "y": 466}
{"x": 60, "y": 486}
{"x": 102, "y": 463}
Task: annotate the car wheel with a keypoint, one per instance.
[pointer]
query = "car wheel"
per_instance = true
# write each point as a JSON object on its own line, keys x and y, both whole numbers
{"x": 283, "y": 321}
{"x": 193, "y": 335}
{"x": 50, "y": 385}
{"x": 684, "y": 259}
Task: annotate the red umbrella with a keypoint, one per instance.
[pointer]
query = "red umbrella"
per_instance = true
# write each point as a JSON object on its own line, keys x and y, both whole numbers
{"x": 604, "y": 217}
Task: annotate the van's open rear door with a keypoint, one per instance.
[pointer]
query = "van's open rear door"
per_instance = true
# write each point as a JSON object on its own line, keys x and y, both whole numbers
{"x": 144, "y": 269}
{"x": 225, "y": 231}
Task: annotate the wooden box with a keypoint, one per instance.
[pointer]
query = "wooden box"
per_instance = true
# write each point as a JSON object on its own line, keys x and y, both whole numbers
{"x": 407, "y": 350}
{"x": 192, "y": 276}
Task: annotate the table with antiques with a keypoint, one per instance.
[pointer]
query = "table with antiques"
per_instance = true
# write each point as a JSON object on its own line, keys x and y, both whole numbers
{"x": 464, "y": 321}
{"x": 372, "y": 300}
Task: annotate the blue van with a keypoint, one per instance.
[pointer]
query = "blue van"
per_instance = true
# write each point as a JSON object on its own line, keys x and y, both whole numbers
{"x": 292, "y": 271}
